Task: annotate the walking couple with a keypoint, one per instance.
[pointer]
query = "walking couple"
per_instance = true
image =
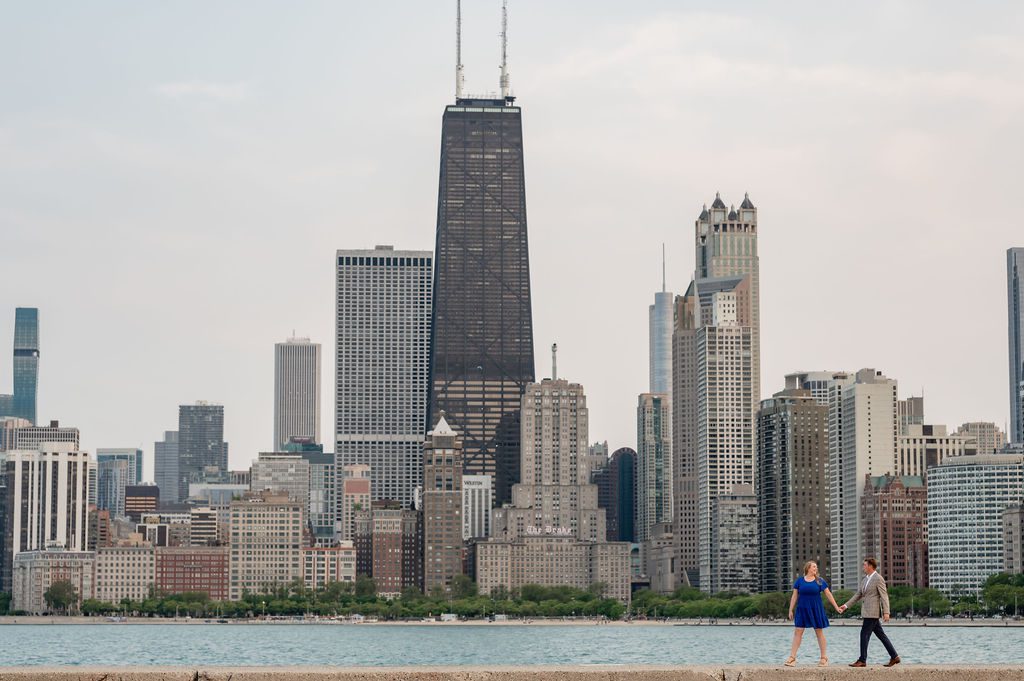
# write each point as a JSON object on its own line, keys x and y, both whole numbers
{"x": 806, "y": 611}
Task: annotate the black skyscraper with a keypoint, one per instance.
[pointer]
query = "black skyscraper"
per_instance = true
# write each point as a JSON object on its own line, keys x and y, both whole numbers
{"x": 482, "y": 331}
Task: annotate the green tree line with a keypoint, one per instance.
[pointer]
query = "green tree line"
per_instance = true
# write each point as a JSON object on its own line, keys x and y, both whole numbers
{"x": 1002, "y": 594}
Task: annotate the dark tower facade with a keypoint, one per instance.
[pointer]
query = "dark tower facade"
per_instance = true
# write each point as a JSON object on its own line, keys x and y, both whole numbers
{"x": 22, "y": 403}
{"x": 482, "y": 328}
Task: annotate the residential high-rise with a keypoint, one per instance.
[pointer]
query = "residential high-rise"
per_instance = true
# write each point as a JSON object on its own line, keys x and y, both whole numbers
{"x": 322, "y": 565}
{"x": 987, "y": 436}
{"x": 194, "y": 569}
{"x": 266, "y": 542}
{"x": 477, "y": 505}
{"x": 388, "y": 542}
{"x": 1013, "y": 539}
{"x": 130, "y": 454}
{"x": 125, "y": 570}
{"x": 553, "y": 533}
{"x": 165, "y": 467}
{"x": 863, "y": 433}
{"x": 653, "y": 479}
{"x": 201, "y": 444}
{"x": 616, "y": 494}
{"x": 46, "y": 502}
{"x": 353, "y": 497}
{"x": 482, "y": 330}
{"x": 8, "y": 426}
{"x": 33, "y": 436}
{"x": 382, "y": 366}
{"x": 282, "y": 473}
{"x": 296, "y": 391}
{"x": 894, "y": 527}
{"x": 921, "y": 446}
{"x": 792, "y": 485}
{"x": 716, "y": 382}
{"x": 1015, "y": 314}
{"x": 112, "y": 477}
{"x": 22, "y": 402}
{"x": 734, "y": 541}
{"x": 555, "y": 491}
{"x": 819, "y": 383}
{"x": 441, "y": 503}
{"x": 37, "y": 570}
{"x": 967, "y": 496}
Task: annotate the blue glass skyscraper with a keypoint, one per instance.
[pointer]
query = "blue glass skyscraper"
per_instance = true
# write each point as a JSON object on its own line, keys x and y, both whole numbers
{"x": 26, "y": 366}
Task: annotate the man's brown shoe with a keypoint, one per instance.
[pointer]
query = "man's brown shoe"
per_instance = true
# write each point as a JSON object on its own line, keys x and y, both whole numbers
{"x": 893, "y": 662}
{"x": 858, "y": 663}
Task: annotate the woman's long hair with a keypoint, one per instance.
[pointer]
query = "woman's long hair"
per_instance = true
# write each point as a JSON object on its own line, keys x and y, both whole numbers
{"x": 807, "y": 568}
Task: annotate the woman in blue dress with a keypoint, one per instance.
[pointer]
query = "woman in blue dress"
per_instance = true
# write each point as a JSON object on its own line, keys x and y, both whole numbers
{"x": 806, "y": 610}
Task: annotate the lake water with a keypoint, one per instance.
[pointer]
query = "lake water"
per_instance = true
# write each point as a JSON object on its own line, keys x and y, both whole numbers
{"x": 383, "y": 645}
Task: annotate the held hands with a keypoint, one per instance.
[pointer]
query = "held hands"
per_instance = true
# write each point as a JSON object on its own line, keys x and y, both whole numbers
{"x": 841, "y": 609}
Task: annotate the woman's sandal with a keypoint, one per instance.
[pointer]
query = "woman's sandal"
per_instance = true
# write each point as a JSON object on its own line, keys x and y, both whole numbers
{"x": 790, "y": 661}
{"x": 823, "y": 662}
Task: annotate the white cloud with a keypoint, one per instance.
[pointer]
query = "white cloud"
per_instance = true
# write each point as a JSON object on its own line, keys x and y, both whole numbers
{"x": 204, "y": 89}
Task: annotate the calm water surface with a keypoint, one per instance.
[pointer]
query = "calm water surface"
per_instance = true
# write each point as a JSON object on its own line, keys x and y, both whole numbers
{"x": 377, "y": 645}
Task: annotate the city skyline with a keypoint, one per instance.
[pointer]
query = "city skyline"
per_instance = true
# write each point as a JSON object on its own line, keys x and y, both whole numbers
{"x": 231, "y": 368}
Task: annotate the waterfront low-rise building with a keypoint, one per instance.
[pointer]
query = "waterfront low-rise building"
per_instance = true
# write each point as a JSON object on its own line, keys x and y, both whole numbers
{"x": 322, "y": 565}
{"x": 266, "y": 542}
{"x": 193, "y": 569}
{"x": 125, "y": 571}
{"x": 553, "y": 560}
{"x": 34, "y": 572}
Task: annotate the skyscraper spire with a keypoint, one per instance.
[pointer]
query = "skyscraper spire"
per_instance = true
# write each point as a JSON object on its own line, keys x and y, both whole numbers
{"x": 663, "y": 289}
{"x": 504, "y": 50}
{"x": 459, "y": 78}
{"x": 554, "y": 361}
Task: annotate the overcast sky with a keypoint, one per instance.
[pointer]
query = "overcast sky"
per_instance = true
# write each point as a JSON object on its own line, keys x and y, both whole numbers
{"x": 175, "y": 179}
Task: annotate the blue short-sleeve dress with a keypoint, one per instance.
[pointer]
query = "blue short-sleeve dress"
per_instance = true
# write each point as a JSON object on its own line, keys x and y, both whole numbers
{"x": 810, "y": 613}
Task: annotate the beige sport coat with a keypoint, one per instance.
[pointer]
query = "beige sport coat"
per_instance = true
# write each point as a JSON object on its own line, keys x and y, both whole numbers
{"x": 874, "y": 594}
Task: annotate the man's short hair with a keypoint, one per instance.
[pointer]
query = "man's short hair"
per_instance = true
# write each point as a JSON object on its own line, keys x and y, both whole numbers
{"x": 872, "y": 562}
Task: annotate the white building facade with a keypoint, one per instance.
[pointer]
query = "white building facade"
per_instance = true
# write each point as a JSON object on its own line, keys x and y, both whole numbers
{"x": 967, "y": 496}
{"x": 297, "y": 364}
{"x": 477, "y": 502}
{"x": 383, "y": 318}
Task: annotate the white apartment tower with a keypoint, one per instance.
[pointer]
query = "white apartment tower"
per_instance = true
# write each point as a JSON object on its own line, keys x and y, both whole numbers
{"x": 382, "y": 366}
{"x": 863, "y": 433}
{"x": 47, "y": 501}
{"x": 296, "y": 391}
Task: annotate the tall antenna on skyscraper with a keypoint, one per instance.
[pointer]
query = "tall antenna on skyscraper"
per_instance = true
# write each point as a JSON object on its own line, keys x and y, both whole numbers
{"x": 504, "y": 50}
{"x": 554, "y": 361}
{"x": 459, "y": 80}
{"x": 662, "y": 266}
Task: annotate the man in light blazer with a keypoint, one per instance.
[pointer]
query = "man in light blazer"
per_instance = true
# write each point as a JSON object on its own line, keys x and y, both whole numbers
{"x": 876, "y": 605}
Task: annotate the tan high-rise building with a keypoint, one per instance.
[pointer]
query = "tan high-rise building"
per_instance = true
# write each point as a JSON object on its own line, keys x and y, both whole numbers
{"x": 1013, "y": 539}
{"x": 266, "y": 542}
{"x": 388, "y": 542}
{"x": 554, "y": 532}
{"x": 988, "y": 436}
{"x": 442, "y": 507}
{"x": 554, "y": 489}
{"x": 716, "y": 382}
{"x": 792, "y": 485}
{"x": 36, "y": 571}
{"x": 322, "y": 565}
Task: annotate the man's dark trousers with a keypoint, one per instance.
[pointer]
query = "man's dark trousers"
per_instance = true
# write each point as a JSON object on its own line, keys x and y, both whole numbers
{"x": 873, "y": 625}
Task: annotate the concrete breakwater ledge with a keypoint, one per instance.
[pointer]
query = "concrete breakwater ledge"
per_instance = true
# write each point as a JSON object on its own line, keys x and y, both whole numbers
{"x": 566, "y": 673}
